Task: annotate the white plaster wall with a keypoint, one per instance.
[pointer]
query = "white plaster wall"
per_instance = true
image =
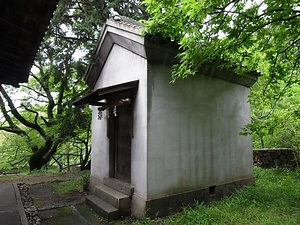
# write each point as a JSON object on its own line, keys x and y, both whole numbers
{"x": 193, "y": 133}
{"x": 100, "y": 146}
{"x": 123, "y": 66}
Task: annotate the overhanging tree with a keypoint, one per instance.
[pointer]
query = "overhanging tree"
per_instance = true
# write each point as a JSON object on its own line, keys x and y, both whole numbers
{"x": 245, "y": 34}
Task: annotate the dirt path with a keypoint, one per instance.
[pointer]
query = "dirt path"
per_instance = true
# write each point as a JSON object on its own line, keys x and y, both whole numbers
{"x": 44, "y": 205}
{"x": 45, "y": 197}
{"x": 38, "y": 178}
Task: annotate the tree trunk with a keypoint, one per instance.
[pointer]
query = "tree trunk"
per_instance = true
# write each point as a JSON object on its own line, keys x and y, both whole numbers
{"x": 42, "y": 155}
{"x": 85, "y": 162}
{"x": 36, "y": 162}
{"x": 86, "y": 166}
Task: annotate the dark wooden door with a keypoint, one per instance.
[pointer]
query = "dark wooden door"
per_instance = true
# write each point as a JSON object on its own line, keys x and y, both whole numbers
{"x": 123, "y": 121}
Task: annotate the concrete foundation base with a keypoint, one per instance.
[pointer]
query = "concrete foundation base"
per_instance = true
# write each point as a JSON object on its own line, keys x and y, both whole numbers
{"x": 170, "y": 204}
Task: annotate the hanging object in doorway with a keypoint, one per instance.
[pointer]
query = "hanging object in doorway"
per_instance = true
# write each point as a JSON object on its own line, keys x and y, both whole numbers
{"x": 115, "y": 111}
{"x": 99, "y": 113}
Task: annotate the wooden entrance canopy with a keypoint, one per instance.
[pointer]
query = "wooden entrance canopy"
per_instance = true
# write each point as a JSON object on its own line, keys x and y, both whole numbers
{"x": 95, "y": 97}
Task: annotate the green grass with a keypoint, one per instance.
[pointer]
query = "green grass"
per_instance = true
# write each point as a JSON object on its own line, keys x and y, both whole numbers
{"x": 274, "y": 199}
{"x": 74, "y": 184}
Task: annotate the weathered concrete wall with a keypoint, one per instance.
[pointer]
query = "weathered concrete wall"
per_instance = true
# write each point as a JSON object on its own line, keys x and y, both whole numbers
{"x": 122, "y": 66}
{"x": 268, "y": 157}
{"x": 193, "y": 133}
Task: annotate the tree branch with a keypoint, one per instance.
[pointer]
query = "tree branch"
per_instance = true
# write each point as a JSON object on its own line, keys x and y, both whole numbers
{"x": 34, "y": 90}
{"x": 289, "y": 46}
{"x": 288, "y": 83}
{"x": 19, "y": 117}
{"x": 13, "y": 164}
{"x": 266, "y": 24}
{"x": 12, "y": 128}
{"x": 82, "y": 10}
{"x": 223, "y": 19}
{"x": 32, "y": 111}
{"x": 45, "y": 86}
{"x": 83, "y": 39}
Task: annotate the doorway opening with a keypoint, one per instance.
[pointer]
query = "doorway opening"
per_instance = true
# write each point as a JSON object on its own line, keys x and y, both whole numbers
{"x": 120, "y": 134}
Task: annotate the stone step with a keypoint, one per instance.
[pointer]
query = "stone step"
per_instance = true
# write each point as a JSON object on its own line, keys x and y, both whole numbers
{"x": 119, "y": 186}
{"x": 102, "y": 208}
{"x": 85, "y": 215}
{"x": 113, "y": 197}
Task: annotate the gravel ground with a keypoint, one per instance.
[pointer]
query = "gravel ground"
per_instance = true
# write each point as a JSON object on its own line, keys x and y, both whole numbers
{"x": 30, "y": 210}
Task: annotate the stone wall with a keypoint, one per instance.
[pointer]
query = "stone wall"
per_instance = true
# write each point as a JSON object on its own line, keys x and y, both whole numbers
{"x": 268, "y": 158}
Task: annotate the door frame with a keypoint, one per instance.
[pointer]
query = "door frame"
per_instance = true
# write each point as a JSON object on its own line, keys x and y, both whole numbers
{"x": 111, "y": 130}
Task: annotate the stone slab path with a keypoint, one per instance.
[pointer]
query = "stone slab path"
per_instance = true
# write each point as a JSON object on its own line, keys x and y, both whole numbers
{"x": 11, "y": 209}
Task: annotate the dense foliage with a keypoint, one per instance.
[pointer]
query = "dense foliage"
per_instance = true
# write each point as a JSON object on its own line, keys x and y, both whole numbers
{"x": 249, "y": 35}
{"x": 275, "y": 122}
